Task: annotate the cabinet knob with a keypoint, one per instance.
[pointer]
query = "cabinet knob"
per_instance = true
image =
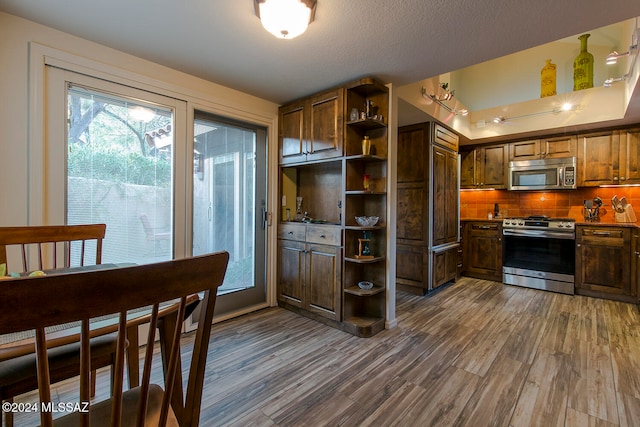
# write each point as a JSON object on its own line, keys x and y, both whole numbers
{"x": 323, "y": 236}
{"x": 578, "y": 245}
{"x": 622, "y": 178}
{"x": 290, "y": 233}
{"x": 615, "y": 178}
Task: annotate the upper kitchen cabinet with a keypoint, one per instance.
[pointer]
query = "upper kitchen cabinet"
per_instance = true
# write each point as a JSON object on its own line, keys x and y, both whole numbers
{"x": 546, "y": 148}
{"x": 630, "y": 156}
{"x": 598, "y": 159}
{"x": 312, "y": 128}
{"x": 485, "y": 167}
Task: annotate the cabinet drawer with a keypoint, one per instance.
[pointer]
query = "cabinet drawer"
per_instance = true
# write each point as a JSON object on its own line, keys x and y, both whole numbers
{"x": 325, "y": 235}
{"x": 445, "y": 138}
{"x": 604, "y": 236}
{"x": 291, "y": 231}
{"x": 611, "y": 233}
{"x": 484, "y": 228}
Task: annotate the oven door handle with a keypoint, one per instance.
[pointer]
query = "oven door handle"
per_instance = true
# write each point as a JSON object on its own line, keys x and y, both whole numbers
{"x": 539, "y": 233}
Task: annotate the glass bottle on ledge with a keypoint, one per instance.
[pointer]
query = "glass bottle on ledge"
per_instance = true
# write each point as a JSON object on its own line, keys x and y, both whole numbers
{"x": 583, "y": 66}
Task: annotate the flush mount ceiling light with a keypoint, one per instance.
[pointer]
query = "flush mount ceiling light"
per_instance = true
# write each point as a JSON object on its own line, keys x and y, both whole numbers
{"x": 141, "y": 114}
{"x": 285, "y": 19}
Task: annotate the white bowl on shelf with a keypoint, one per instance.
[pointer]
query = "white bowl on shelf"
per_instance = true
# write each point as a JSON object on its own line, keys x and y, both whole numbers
{"x": 366, "y": 285}
{"x": 367, "y": 221}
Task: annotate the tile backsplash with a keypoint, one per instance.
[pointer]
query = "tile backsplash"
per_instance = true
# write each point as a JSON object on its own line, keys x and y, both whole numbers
{"x": 559, "y": 204}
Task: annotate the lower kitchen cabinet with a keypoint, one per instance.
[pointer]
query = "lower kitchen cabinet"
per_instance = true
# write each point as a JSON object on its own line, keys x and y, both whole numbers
{"x": 483, "y": 250}
{"x": 635, "y": 262}
{"x": 603, "y": 263}
{"x": 445, "y": 265}
{"x": 310, "y": 273}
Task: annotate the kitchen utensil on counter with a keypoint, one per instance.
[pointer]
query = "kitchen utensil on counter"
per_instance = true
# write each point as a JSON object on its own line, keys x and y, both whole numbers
{"x": 592, "y": 209}
{"x": 623, "y": 212}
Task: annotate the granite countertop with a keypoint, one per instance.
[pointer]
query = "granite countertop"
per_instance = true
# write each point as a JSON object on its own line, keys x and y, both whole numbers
{"x": 605, "y": 220}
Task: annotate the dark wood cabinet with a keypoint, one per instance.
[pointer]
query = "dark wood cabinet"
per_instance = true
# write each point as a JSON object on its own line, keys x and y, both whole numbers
{"x": 323, "y": 164}
{"x": 598, "y": 159}
{"x": 427, "y": 207}
{"x": 445, "y": 265}
{"x": 603, "y": 263}
{"x": 635, "y": 262}
{"x": 630, "y": 156}
{"x": 312, "y": 128}
{"x": 309, "y": 273}
{"x": 483, "y": 250}
{"x": 445, "y": 196}
{"x": 485, "y": 167}
{"x": 545, "y": 148}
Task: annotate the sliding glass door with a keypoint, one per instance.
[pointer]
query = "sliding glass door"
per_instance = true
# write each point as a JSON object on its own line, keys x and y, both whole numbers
{"x": 229, "y": 195}
{"x": 119, "y": 172}
{"x": 122, "y": 156}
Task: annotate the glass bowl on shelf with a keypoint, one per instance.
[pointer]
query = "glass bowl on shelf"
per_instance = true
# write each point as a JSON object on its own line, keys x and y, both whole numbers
{"x": 367, "y": 221}
{"x": 366, "y": 285}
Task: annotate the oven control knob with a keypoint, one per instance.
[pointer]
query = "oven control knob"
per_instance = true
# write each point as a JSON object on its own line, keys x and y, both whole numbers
{"x": 520, "y": 223}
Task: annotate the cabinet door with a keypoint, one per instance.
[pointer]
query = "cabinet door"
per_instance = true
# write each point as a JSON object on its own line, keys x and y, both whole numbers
{"x": 559, "y": 147}
{"x": 524, "y": 150}
{"x": 635, "y": 263}
{"x": 445, "y": 196}
{"x": 468, "y": 169}
{"x": 325, "y": 125}
{"x": 322, "y": 284}
{"x": 493, "y": 166}
{"x": 412, "y": 214}
{"x": 444, "y": 137}
{"x": 630, "y": 156}
{"x": 483, "y": 250}
{"x": 412, "y": 265}
{"x": 598, "y": 159}
{"x": 291, "y": 133}
{"x": 291, "y": 271}
{"x": 412, "y": 153}
{"x": 603, "y": 258}
{"x": 445, "y": 267}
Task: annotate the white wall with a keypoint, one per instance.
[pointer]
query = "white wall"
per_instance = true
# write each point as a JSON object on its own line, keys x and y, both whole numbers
{"x": 16, "y": 34}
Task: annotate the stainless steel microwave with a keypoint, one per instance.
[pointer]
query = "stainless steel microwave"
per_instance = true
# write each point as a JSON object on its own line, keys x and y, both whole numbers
{"x": 544, "y": 174}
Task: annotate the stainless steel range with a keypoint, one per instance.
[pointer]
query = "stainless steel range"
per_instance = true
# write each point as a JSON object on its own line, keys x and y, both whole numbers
{"x": 539, "y": 253}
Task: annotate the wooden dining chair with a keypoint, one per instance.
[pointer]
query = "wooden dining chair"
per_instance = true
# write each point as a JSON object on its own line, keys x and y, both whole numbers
{"x": 49, "y": 248}
{"x": 120, "y": 291}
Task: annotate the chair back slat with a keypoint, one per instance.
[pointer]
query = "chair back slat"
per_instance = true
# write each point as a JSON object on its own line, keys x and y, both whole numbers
{"x": 46, "y": 240}
{"x": 114, "y": 291}
{"x": 44, "y": 382}
{"x": 85, "y": 368}
{"x": 146, "y": 370}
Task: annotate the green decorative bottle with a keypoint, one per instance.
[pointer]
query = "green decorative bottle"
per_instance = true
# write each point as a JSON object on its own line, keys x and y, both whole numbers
{"x": 548, "y": 80}
{"x": 583, "y": 66}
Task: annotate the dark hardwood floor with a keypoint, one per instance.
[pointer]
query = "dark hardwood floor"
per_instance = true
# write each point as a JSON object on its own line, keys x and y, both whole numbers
{"x": 477, "y": 353}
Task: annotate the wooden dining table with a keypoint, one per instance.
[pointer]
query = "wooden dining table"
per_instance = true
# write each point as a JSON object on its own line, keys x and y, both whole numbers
{"x": 19, "y": 344}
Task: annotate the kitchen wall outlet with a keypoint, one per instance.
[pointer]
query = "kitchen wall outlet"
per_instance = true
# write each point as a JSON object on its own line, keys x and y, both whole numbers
{"x": 284, "y": 200}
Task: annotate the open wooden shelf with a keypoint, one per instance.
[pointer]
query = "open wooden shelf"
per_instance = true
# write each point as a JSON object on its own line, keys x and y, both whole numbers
{"x": 355, "y": 290}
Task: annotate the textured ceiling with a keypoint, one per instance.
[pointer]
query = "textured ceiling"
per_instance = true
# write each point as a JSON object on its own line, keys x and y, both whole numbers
{"x": 400, "y": 41}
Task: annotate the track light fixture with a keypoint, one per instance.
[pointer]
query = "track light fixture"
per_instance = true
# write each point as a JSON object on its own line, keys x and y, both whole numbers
{"x": 446, "y": 96}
